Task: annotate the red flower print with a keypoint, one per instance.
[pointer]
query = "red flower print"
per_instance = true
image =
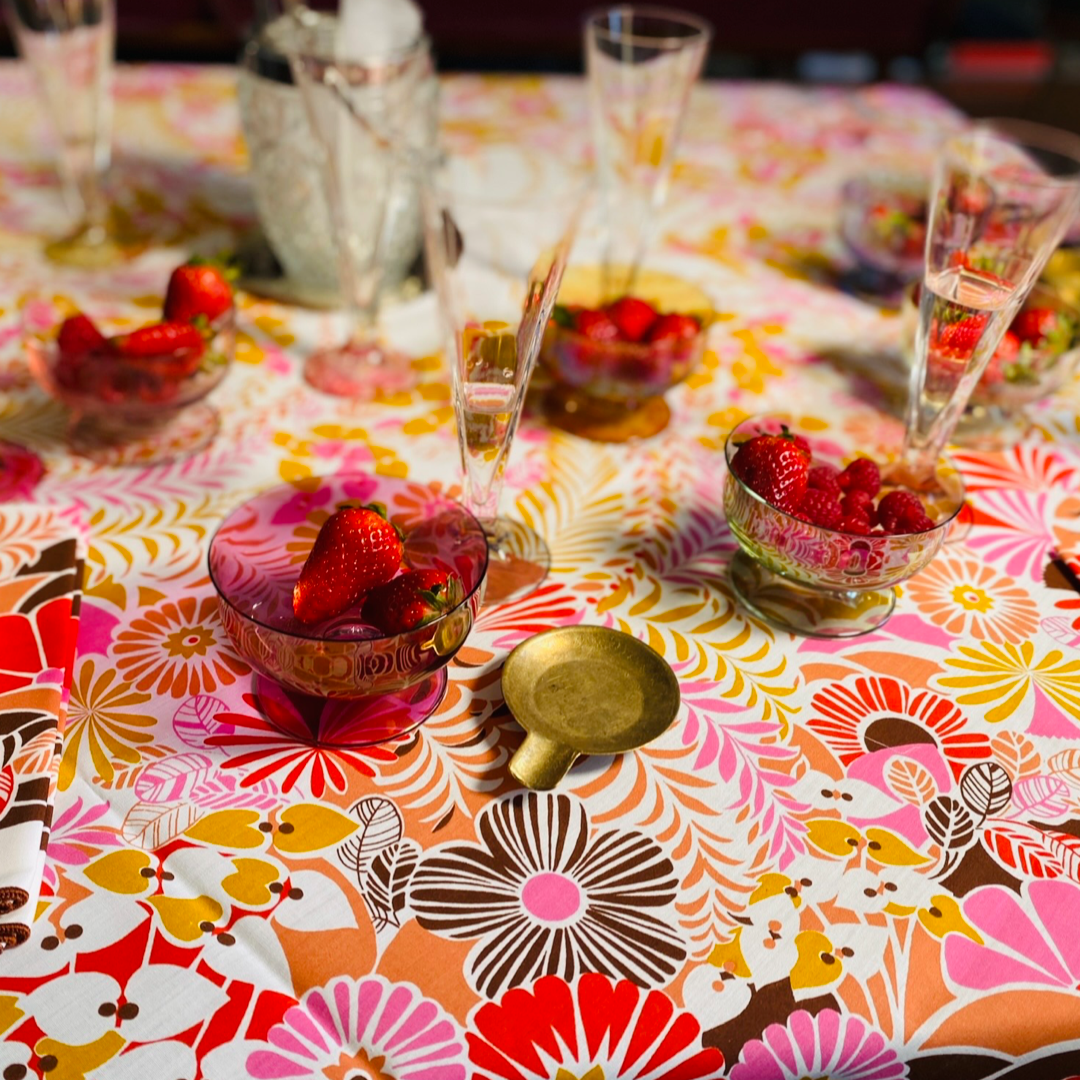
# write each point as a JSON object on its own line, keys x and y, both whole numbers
{"x": 593, "y": 1028}
{"x": 865, "y": 714}
{"x": 282, "y": 740}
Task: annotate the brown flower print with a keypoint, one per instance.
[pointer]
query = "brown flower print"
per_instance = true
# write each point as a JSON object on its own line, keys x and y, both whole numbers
{"x": 544, "y": 894}
{"x": 178, "y": 648}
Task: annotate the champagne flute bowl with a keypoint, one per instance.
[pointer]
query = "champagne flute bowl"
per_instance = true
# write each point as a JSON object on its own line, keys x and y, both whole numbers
{"x": 69, "y": 48}
{"x": 1004, "y": 194}
{"x": 820, "y": 582}
{"x": 497, "y": 266}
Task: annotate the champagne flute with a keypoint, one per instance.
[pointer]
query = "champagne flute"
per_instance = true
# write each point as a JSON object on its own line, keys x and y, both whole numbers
{"x": 365, "y": 112}
{"x": 69, "y": 47}
{"x": 497, "y": 267}
{"x": 1004, "y": 193}
{"x": 642, "y": 63}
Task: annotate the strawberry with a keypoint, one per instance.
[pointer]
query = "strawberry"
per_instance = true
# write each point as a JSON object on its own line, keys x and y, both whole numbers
{"x": 960, "y": 338}
{"x": 173, "y": 350}
{"x": 633, "y": 317}
{"x": 857, "y": 501}
{"x": 411, "y": 600}
{"x": 862, "y": 474}
{"x": 820, "y": 508}
{"x": 356, "y": 550}
{"x": 803, "y": 443}
{"x": 825, "y": 478}
{"x": 78, "y": 337}
{"x": 197, "y": 289}
{"x": 775, "y": 468}
{"x": 1035, "y": 324}
{"x": 674, "y": 328}
{"x": 596, "y": 325}
{"x": 898, "y": 510}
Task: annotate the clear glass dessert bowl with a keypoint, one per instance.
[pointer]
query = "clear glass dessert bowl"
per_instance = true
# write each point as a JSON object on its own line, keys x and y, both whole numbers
{"x": 614, "y": 390}
{"x": 818, "y": 581}
{"x": 255, "y": 559}
{"x": 126, "y": 409}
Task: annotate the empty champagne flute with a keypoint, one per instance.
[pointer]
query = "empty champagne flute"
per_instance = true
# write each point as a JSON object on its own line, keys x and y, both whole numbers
{"x": 496, "y": 268}
{"x": 69, "y": 47}
{"x": 366, "y": 111}
{"x": 642, "y": 63}
{"x": 1004, "y": 193}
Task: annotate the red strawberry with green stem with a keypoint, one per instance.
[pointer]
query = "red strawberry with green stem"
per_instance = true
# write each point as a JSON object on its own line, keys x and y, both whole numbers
{"x": 774, "y": 467}
{"x": 198, "y": 290}
{"x": 411, "y": 600}
{"x": 356, "y": 550}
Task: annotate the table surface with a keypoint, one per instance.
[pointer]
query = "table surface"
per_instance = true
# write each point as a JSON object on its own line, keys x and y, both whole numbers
{"x": 793, "y": 878}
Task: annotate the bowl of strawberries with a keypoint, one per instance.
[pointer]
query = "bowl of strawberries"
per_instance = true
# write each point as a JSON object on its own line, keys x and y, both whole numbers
{"x": 126, "y": 383}
{"x": 611, "y": 362}
{"x": 350, "y": 586}
{"x": 826, "y": 531}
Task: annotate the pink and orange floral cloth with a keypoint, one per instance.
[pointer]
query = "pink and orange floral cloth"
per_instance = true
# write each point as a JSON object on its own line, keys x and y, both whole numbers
{"x": 856, "y": 860}
{"x": 42, "y": 551}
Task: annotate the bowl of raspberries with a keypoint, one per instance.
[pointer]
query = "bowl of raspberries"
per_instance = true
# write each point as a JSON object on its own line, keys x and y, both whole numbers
{"x": 824, "y": 531}
{"x": 611, "y": 361}
{"x": 123, "y": 381}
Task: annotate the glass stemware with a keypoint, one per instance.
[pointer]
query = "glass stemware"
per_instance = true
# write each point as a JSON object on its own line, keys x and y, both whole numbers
{"x": 497, "y": 269}
{"x": 69, "y": 47}
{"x": 365, "y": 112}
{"x": 642, "y": 63}
{"x": 1004, "y": 194}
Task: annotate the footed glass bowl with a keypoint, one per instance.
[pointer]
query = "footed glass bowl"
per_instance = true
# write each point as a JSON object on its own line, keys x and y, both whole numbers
{"x": 612, "y": 391}
{"x": 257, "y": 554}
{"x": 816, "y": 581}
{"x": 144, "y": 410}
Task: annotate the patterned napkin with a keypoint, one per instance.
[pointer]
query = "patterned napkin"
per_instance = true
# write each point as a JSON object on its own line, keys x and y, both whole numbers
{"x": 42, "y": 551}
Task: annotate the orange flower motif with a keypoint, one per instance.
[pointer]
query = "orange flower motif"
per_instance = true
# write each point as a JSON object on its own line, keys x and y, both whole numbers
{"x": 178, "y": 648}
{"x": 970, "y": 599}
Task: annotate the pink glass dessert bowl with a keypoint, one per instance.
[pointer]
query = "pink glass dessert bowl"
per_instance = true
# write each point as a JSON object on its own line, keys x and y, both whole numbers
{"x": 255, "y": 559}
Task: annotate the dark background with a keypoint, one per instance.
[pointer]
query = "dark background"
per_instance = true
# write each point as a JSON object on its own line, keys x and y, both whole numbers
{"x": 991, "y": 57}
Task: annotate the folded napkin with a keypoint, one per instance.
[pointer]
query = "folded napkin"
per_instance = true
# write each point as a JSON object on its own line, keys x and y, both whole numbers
{"x": 42, "y": 552}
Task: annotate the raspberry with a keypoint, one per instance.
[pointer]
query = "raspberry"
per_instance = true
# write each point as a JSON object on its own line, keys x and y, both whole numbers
{"x": 857, "y": 501}
{"x": 898, "y": 509}
{"x": 824, "y": 478}
{"x": 820, "y": 508}
{"x": 856, "y": 524}
{"x": 918, "y": 525}
{"x": 861, "y": 475}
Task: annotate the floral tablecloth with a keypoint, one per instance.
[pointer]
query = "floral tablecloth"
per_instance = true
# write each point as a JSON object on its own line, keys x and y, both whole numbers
{"x": 858, "y": 861}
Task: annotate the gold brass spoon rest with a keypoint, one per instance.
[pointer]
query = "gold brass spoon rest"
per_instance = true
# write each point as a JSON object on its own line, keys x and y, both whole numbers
{"x": 584, "y": 690}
